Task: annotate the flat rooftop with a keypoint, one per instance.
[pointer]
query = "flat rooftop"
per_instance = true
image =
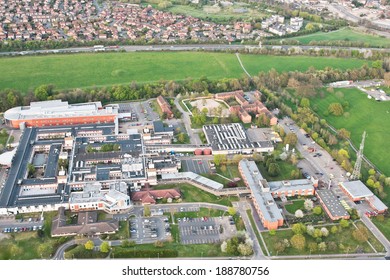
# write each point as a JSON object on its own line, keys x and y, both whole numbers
{"x": 291, "y": 185}
{"x": 193, "y": 177}
{"x": 332, "y": 203}
{"x": 264, "y": 199}
{"x": 357, "y": 189}
{"x": 231, "y": 137}
{"x": 57, "y": 108}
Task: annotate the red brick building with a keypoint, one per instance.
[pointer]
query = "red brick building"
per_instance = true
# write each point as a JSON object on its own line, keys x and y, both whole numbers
{"x": 165, "y": 107}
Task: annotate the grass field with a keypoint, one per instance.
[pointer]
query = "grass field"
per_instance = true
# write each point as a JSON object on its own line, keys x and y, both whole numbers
{"x": 345, "y": 34}
{"x": 258, "y": 63}
{"x": 384, "y": 226}
{"x": 105, "y": 69}
{"x": 364, "y": 114}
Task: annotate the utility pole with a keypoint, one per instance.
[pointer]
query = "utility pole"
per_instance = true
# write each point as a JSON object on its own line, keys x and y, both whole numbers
{"x": 358, "y": 165}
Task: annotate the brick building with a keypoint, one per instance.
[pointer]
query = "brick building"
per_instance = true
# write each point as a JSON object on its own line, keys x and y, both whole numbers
{"x": 165, "y": 107}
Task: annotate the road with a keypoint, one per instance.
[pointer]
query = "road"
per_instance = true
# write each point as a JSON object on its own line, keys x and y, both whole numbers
{"x": 194, "y": 137}
{"x": 327, "y": 166}
{"x": 205, "y": 47}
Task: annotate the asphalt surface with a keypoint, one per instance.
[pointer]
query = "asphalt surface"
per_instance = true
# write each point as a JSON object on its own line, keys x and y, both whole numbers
{"x": 198, "y": 166}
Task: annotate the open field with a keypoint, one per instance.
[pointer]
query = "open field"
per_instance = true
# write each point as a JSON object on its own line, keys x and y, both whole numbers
{"x": 105, "y": 69}
{"x": 345, "y": 34}
{"x": 258, "y": 63}
{"x": 217, "y": 14}
{"x": 364, "y": 114}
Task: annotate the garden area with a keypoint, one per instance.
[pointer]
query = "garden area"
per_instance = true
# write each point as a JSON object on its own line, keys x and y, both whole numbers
{"x": 341, "y": 238}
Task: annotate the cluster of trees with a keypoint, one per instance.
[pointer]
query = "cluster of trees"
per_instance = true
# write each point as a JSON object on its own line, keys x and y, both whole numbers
{"x": 240, "y": 245}
{"x": 271, "y": 165}
{"x": 318, "y": 235}
{"x": 377, "y": 182}
{"x": 104, "y": 247}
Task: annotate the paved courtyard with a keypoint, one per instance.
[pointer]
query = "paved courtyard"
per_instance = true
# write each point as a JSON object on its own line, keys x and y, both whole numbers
{"x": 196, "y": 166}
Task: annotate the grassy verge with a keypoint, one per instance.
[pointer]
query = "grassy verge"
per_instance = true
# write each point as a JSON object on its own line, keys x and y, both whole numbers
{"x": 383, "y": 226}
{"x": 79, "y": 252}
{"x": 254, "y": 227}
{"x": 123, "y": 232}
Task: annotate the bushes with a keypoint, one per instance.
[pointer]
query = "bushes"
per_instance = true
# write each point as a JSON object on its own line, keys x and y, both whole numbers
{"x": 146, "y": 253}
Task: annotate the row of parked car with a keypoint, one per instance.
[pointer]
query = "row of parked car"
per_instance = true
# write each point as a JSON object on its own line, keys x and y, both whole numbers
{"x": 21, "y": 229}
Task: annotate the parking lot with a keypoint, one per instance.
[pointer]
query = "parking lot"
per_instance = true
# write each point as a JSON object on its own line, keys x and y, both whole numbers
{"x": 149, "y": 230}
{"x": 196, "y": 166}
{"x": 205, "y": 230}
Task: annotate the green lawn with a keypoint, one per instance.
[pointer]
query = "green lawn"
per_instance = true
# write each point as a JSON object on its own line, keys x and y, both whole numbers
{"x": 345, "y": 34}
{"x": 194, "y": 194}
{"x": 285, "y": 171}
{"x": 105, "y": 69}
{"x": 364, "y": 114}
{"x": 296, "y": 205}
{"x": 31, "y": 245}
{"x": 384, "y": 226}
{"x": 344, "y": 237}
{"x": 255, "y": 229}
{"x": 203, "y": 212}
{"x": 183, "y": 251}
{"x": 123, "y": 232}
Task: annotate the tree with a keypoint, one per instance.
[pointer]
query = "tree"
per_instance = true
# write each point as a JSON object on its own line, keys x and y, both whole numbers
{"x": 232, "y": 245}
{"x": 334, "y": 229}
{"x": 305, "y": 102}
{"x": 245, "y": 249}
{"x": 310, "y": 230}
{"x": 42, "y": 92}
{"x": 324, "y": 231}
{"x": 317, "y": 233}
{"x": 30, "y": 169}
{"x": 317, "y": 210}
{"x": 308, "y": 204}
{"x": 336, "y": 109}
{"x": 298, "y": 228}
{"x": 279, "y": 247}
{"x": 344, "y": 223}
{"x": 219, "y": 159}
{"x": 232, "y": 211}
{"x": 298, "y": 241}
{"x": 299, "y": 213}
{"x": 371, "y": 172}
{"x": 105, "y": 247}
{"x": 322, "y": 246}
{"x": 313, "y": 247}
{"x": 89, "y": 245}
{"x": 343, "y": 133}
{"x": 147, "y": 212}
{"x": 360, "y": 234}
{"x": 158, "y": 244}
{"x": 274, "y": 169}
{"x": 291, "y": 139}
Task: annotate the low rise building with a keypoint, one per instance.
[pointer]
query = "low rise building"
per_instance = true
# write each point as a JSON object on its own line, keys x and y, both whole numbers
{"x": 59, "y": 113}
{"x": 263, "y": 193}
{"x": 232, "y": 139}
{"x": 358, "y": 191}
{"x": 331, "y": 204}
{"x": 113, "y": 199}
{"x": 165, "y": 107}
{"x": 87, "y": 225}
